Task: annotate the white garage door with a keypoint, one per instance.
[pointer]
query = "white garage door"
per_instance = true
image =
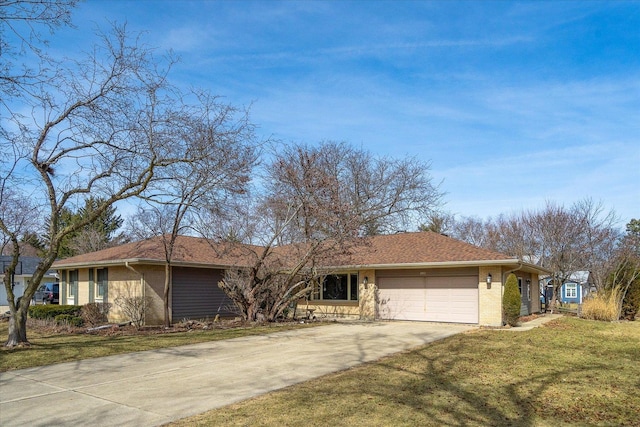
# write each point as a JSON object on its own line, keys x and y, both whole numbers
{"x": 433, "y": 299}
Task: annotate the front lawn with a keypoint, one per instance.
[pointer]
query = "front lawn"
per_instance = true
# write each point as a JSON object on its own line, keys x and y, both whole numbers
{"x": 49, "y": 345}
{"x": 568, "y": 372}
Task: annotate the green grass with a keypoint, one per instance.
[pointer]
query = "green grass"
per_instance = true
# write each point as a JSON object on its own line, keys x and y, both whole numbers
{"x": 50, "y": 347}
{"x": 568, "y": 372}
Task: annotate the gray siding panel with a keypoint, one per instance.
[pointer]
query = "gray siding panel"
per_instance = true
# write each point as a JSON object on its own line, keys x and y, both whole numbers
{"x": 196, "y": 294}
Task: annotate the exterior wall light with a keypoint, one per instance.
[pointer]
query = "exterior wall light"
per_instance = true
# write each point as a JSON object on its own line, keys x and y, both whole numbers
{"x": 489, "y": 279}
{"x": 366, "y": 280}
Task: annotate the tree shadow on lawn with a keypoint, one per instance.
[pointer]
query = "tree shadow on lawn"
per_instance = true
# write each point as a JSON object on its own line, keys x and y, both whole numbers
{"x": 445, "y": 387}
{"x": 445, "y": 401}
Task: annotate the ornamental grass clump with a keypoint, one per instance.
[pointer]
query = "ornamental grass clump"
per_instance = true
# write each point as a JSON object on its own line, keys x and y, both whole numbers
{"x": 603, "y": 306}
{"x": 511, "y": 301}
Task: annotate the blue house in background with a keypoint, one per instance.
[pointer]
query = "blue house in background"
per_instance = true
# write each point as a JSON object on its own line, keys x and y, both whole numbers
{"x": 573, "y": 290}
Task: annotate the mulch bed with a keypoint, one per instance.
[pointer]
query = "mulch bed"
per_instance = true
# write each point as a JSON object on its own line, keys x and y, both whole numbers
{"x": 529, "y": 318}
{"x": 191, "y": 325}
{"x": 129, "y": 330}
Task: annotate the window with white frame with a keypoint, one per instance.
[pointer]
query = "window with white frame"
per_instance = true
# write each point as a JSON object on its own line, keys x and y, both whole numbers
{"x": 73, "y": 283}
{"x": 101, "y": 284}
{"x": 571, "y": 290}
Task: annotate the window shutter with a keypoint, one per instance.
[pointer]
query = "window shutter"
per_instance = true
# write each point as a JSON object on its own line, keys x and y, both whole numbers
{"x": 92, "y": 286}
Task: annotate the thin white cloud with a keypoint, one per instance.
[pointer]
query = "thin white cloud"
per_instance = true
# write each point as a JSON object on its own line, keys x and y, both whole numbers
{"x": 188, "y": 39}
{"x": 411, "y": 47}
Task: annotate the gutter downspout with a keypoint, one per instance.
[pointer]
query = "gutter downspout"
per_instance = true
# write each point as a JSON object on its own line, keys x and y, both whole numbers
{"x": 144, "y": 293}
{"x": 506, "y": 273}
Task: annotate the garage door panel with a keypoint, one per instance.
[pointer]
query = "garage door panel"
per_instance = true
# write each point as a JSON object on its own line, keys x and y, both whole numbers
{"x": 452, "y": 299}
{"x": 452, "y": 305}
{"x": 401, "y": 303}
{"x": 437, "y": 299}
{"x": 402, "y": 306}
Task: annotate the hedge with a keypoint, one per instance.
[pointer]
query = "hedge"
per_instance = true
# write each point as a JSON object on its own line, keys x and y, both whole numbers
{"x": 69, "y": 319}
{"x": 50, "y": 311}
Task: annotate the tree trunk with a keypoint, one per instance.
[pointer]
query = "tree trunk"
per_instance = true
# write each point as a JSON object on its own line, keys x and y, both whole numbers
{"x": 252, "y": 312}
{"x": 18, "y": 327}
{"x": 165, "y": 296}
{"x": 554, "y": 299}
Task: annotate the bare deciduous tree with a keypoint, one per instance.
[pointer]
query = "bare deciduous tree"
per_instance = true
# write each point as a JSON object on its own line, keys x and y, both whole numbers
{"x": 558, "y": 244}
{"x": 103, "y": 126}
{"x": 600, "y": 239}
{"x": 219, "y": 140}
{"x": 472, "y": 230}
{"x": 563, "y": 240}
{"x": 17, "y": 219}
{"x": 267, "y": 288}
{"x": 319, "y": 202}
{"x": 133, "y": 305}
{"x": 21, "y": 25}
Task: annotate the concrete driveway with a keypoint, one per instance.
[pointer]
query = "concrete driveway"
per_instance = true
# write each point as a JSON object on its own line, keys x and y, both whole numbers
{"x": 154, "y": 387}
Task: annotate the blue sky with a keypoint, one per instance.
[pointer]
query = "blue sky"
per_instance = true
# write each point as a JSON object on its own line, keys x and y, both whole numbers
{"x": 514, "y": 103}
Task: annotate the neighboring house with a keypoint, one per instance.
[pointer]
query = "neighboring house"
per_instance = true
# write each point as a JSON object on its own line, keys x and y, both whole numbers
{"x": 24, "y": 270}
{"x": 409, "y": 276}
{"x": 573, "y": 290}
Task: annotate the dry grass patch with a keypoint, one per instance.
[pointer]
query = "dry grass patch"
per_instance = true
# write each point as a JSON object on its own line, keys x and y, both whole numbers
{"x": 569, "y": 372}
{"x": 603, "y": 306}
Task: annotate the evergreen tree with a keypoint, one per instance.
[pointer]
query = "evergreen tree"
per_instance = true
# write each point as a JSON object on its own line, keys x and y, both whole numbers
{"x": 95, "y": 235}
{"x": 511, "y": 301}
{"x": 627, "y": 273}
{"x": 108, "y": 222}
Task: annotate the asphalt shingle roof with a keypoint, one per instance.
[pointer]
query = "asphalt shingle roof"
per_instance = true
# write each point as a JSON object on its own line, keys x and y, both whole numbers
{"x": 403, "y": 248}
{"x": 422, "y": 247}
{"x": 190, "y": 250}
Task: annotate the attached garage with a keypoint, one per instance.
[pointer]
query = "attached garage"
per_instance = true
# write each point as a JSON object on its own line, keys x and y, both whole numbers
{"x": 196, "y": 294}
{"x": 433, "y": 298}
